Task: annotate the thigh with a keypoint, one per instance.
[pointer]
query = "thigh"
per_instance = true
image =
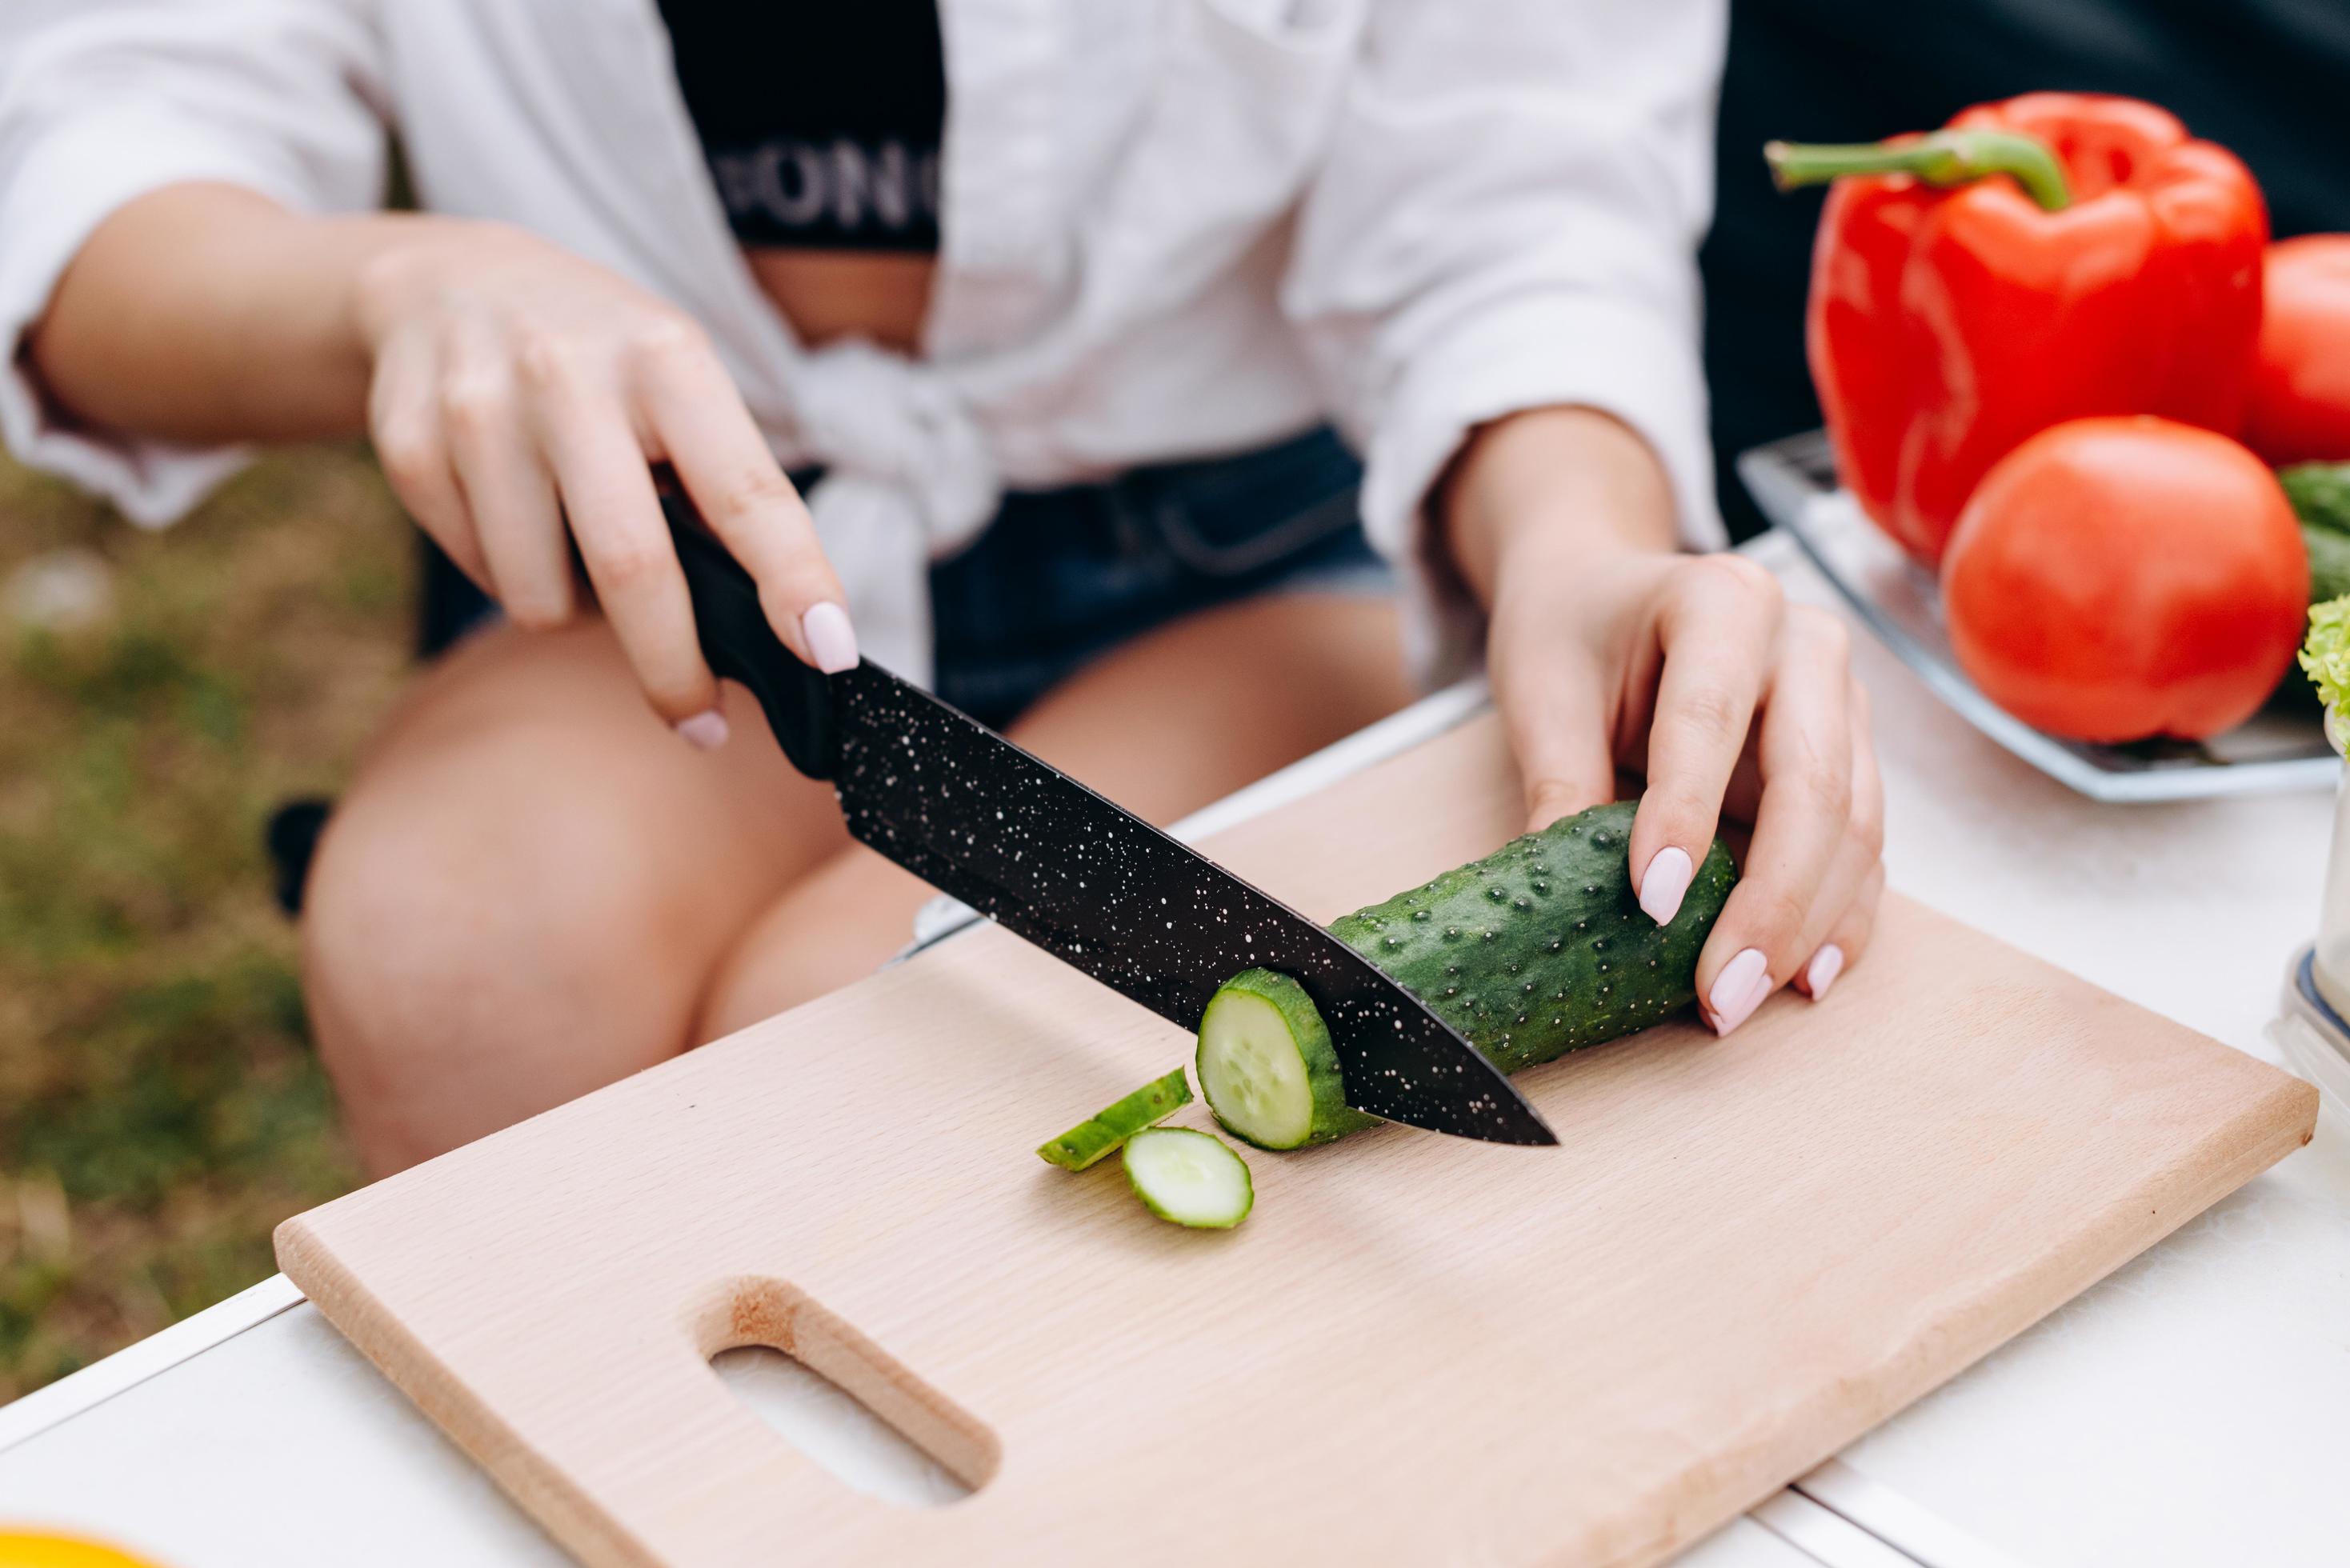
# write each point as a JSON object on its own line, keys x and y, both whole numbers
{"x": 1190, "y": 713}
{"x": 1163, "y": 725}
{"x": 546, "y": 735}
{"x": 522, "y": 893}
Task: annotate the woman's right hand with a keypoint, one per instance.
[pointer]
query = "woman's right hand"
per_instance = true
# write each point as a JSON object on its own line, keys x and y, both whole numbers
{"x": 517, "y": 390}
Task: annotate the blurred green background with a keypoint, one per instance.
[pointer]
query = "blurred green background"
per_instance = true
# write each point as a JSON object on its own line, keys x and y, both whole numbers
{"x": 161, "y": 1108}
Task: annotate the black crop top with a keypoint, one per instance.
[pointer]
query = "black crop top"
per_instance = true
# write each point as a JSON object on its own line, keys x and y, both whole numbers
{"x": 821, "y": 122}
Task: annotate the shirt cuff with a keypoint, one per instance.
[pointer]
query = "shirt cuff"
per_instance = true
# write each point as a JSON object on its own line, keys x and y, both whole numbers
{"x": 69, "y": 179}
{"x": 1633, "y": 363}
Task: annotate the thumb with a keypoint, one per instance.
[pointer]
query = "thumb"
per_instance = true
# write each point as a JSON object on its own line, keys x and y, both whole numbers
{"x": 1559, "y": 732}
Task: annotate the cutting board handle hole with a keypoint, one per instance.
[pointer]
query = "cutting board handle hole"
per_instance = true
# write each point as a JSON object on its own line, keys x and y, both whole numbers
{"x": 846, "y": 1407}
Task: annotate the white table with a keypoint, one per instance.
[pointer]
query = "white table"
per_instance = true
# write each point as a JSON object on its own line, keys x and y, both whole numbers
{"x": 2188, "y": 1411}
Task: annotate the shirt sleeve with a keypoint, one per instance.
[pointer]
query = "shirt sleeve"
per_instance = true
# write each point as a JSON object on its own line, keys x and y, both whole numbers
{"x": 1508, "y": 219}
{"x": 104, "y": 101}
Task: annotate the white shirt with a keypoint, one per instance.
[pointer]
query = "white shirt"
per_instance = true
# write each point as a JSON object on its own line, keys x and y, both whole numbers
{"x": 1171, "y": 228}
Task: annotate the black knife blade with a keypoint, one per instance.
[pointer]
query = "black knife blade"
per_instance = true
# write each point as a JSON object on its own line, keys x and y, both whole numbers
{"x": 977, "y": 818}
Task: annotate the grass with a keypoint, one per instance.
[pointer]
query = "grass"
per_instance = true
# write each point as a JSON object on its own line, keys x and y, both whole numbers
{"x": 160, "y": 1106}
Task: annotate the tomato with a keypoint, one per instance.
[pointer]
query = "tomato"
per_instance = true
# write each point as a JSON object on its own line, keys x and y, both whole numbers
{"x": 2119, "y": 577}
{"x": 2300, "y": 409}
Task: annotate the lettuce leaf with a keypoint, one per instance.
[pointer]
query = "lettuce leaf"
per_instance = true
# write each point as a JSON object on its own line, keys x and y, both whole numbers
{"x": 2326, "y": 655}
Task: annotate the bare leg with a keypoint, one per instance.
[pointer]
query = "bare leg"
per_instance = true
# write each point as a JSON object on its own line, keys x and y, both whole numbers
{"x": 524, "y": 893}
{"x": 1163, "y": 725}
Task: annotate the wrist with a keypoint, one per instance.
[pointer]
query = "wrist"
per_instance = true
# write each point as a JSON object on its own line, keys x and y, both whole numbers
{"x": 1546, "y": 486}
{"x": 399, "y": 260}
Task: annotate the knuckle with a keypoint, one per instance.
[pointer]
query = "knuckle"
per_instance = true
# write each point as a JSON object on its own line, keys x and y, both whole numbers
{"x": 1824, "y": 631}
{"x": 548, "y": 360}
{"x": 472, "y": 403}
{"x": 409, "y": 455}
{"x": 1826, "y": 789}
{"x": 1710, "y": 715}
{"x": 665, "y": 340}
{"x": 1729, "y": 575}
{"x": 754, "y": 490}
{"x": 630, "y": 569}
{"x": 1776, "y": 919}
{"x": 1868, "y": 831}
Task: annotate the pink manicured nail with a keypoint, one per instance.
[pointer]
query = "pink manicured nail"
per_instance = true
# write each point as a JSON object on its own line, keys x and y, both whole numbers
{"x": 1738, "y": 990}
{"x": 1826, "y": 964}
{"x": 831, "y": 641}
{"x": 705, "y": 731}
{"x": 1666, "y": 880}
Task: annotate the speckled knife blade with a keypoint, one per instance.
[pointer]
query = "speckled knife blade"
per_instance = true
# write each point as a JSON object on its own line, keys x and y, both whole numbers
{"x": 1096, "y": 886}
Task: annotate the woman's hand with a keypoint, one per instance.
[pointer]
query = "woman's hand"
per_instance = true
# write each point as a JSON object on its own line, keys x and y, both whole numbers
{"x": 1608, "y": 649}
{"x": 518, "y": 393}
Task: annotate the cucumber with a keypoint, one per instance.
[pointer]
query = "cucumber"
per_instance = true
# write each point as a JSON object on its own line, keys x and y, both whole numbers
{"x": 1106, "y": 1129}
{"x": 1537, "y": 949}
{"x": 1267, "y": 1068}
{"x": 1188, "y": 1178}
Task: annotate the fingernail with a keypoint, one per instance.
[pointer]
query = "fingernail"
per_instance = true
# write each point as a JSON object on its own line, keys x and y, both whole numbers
{"x": 831, "y": 641}
{"x": 705, "y": 731}
{"x": 1664, "y": 883}
{"x": 1826, "y": 964}
{"x": 1738, "y": 990}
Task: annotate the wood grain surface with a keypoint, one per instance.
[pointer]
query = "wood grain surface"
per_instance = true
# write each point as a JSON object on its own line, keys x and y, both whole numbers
{"x": 1417, "y": 1350}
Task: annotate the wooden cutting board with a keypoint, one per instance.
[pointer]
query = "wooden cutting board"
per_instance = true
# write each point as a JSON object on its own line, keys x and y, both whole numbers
{"x": 1417, "y": 1350}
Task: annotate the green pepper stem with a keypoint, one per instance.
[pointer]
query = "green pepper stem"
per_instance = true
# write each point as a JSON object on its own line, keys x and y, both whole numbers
{"x": 1944, "y": 159}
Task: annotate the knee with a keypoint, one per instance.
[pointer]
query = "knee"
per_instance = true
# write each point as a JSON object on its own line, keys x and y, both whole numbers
{"x": 838, "y": 923}
{"x": 470, "y": 961}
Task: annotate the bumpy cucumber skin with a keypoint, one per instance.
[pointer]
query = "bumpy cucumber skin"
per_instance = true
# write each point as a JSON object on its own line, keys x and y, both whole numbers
{"x": 1248, "y": 1186}
{"x": 1542, "y": 947}
{"x": 1103, "y": 1132}
{"x": 1332, "y": 1116}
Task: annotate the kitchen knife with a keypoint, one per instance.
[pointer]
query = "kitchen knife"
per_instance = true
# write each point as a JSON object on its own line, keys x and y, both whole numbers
{"x": 1092, "y": 884}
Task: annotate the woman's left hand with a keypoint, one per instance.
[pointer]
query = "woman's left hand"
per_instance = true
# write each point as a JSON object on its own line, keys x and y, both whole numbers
{"x": 1606, "y": 649}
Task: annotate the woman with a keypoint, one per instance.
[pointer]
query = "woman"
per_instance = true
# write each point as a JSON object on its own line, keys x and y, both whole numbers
{"x": 1046, "y": 306}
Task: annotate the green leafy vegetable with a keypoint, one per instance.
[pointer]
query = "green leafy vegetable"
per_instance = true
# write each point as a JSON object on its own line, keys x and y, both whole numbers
{"x": 2326, "y": 653}
{"x": 2320, "y": 493}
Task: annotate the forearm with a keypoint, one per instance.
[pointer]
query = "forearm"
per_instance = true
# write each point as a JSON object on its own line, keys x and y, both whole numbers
{"x": 1545, "y": 483}
{"x": 207, "y": 313}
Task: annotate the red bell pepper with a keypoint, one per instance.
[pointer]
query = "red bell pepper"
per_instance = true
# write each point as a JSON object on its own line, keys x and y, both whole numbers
{"x": 1953, "y": 314}
{"x": 2300, "y": 386}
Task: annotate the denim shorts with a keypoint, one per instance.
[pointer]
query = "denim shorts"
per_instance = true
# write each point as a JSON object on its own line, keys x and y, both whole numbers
{"x": 1062, "y": 576}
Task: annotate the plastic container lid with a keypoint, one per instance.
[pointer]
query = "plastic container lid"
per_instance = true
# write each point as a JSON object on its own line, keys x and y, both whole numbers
{"x": 2315, "y": 1038}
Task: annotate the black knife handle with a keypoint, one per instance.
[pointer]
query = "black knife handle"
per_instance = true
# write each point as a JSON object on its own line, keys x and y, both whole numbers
{"x": 741, "y": 646}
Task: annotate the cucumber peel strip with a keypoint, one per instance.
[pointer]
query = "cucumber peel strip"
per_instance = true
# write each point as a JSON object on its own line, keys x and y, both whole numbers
{"x": 1106, "y": 1129}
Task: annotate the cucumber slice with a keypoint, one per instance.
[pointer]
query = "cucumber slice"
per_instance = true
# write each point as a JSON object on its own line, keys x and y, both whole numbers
{"x": 1267, "y": 1068}
{"x": 1106, "y": 1129}
{"x": 1189, "y": 1177}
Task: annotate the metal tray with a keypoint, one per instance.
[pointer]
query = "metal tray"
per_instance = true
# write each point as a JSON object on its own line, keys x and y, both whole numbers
{"x": 1794, "y": 482}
